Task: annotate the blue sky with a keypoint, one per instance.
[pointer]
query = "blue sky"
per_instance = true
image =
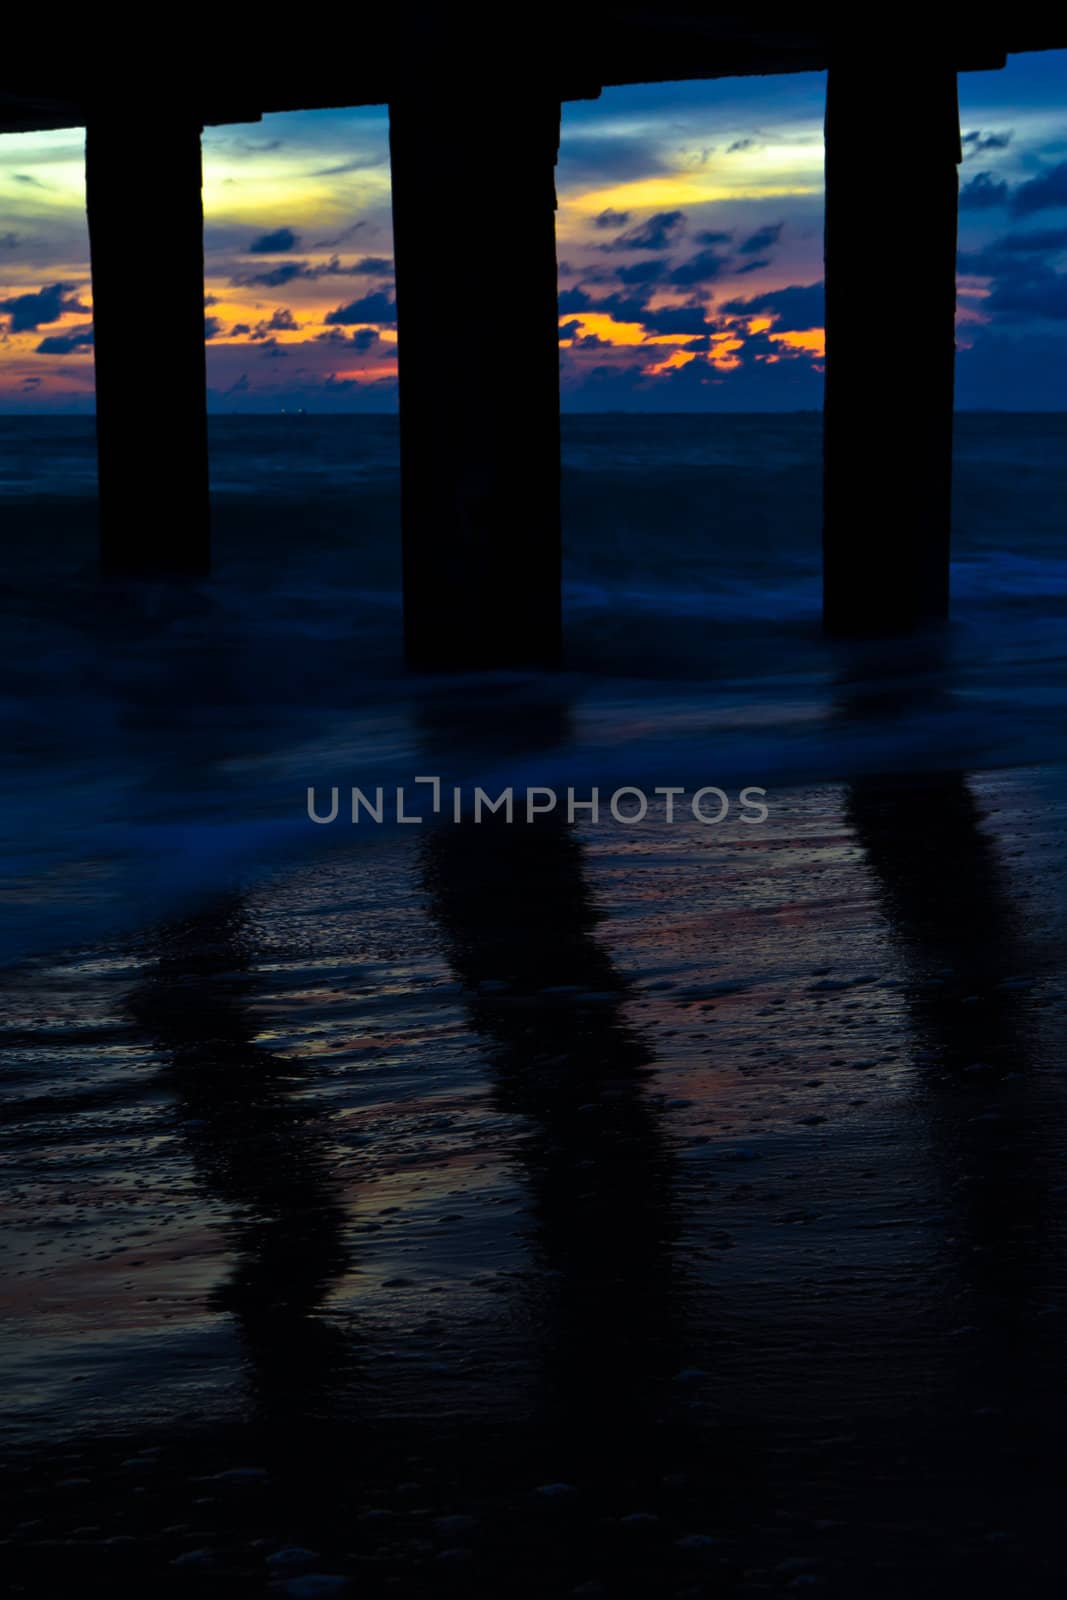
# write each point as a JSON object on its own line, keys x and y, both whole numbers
{"x": 689, "y": 240}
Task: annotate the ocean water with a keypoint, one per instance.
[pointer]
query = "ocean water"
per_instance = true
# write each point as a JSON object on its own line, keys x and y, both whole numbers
{"x": 538, "y": 1210}
{"x": 160, "y": 740}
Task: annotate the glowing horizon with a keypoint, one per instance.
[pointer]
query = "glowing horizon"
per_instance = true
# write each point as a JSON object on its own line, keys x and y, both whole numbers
{"x": 689, "y": 237}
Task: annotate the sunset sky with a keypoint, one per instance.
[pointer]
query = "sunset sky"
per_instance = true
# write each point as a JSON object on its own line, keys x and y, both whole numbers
{"x": 690, "y": 249}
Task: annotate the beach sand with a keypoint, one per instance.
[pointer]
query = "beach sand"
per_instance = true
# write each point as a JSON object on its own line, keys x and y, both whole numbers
{"x": 536, "y": 1210}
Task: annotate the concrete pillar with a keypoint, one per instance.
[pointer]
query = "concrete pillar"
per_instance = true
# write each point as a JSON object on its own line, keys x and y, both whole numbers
{"x": 146, "y": 234}
{"x": 892, "y": 153}
{"x": 474, "y": 231}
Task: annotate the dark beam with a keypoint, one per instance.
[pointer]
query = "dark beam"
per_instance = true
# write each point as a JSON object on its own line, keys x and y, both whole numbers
{"x": 151, "y": 411}
{"x": 890, "y": 343}
{"x": 479, "y": 373}
{"x": 616, "y": 44}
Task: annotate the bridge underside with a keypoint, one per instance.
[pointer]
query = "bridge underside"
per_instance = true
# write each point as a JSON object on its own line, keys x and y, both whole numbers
{"x": 481, "y": 501}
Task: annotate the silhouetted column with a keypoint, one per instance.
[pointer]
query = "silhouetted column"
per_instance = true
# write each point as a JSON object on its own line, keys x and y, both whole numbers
{"x": 474, "y": 227}
{"x": 146, "y": 234}
{"x": 892, "y": 146}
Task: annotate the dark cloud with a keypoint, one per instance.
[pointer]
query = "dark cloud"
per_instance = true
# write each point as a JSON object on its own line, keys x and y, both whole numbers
{"x": 570, "y": 330}
{"x": 796, "y": 309}
{"x": 623, "y": 307}
{"x": 977, "y": 141}
{"x": 274, "y": 244}
{"x": 659, "y": 233}
{"x": 983, "y": 193}
{"x": 239, "y": 328}
{"x": 1024, "y": 285}
{"x": 257, "y": 147}
{"x": 662, "y": 320}
{"x": 758, "y": 349}
{"x": 1041, "y": 294}
{"x": 763, "y": 239}
{"x": 765, "y": 376}
{"x": 585, "y": 157}
{"x": 365, "y": 267}
{"x": 704, "y": 267}
{"x": 67, "y": 344}
{"x": 212, "y": 327}
{"x": 1023, "y": 282}
{"x": 740, "y": 144}
{"x": 282, "y": 321}
{"x": 357, "y": 164}
{"x": 595, "y": 274}
{"x": 710, "y": 236}
{"x": 378, "y": 307}
{"x": 9, "y": 241}
{"x": 1046, "y": 192}
{"x": 634, "y": 308}
{"x": 753, "y": 266}
{"x": 611, "y": 219}
{"x": 276, "y": 278}
{"x": 642, "y": 272}
{"x": 574, "y": 300}
{"x": 675, "y": 319}
{"x": 29, "y": 311}
{"x": 289, "y": 271}
{"x": 340, "y": 238}
{"x": 1042, "y": 241}
{"x": 365, "y": 338}
{"x": 985, "y": 263}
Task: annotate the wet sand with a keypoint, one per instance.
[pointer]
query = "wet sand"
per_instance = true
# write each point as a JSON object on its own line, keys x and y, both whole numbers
{"x": 551, "y": 1211}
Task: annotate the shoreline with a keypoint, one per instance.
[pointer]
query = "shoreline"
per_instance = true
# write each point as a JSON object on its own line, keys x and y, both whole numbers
{"x": 601, "y": 1161}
